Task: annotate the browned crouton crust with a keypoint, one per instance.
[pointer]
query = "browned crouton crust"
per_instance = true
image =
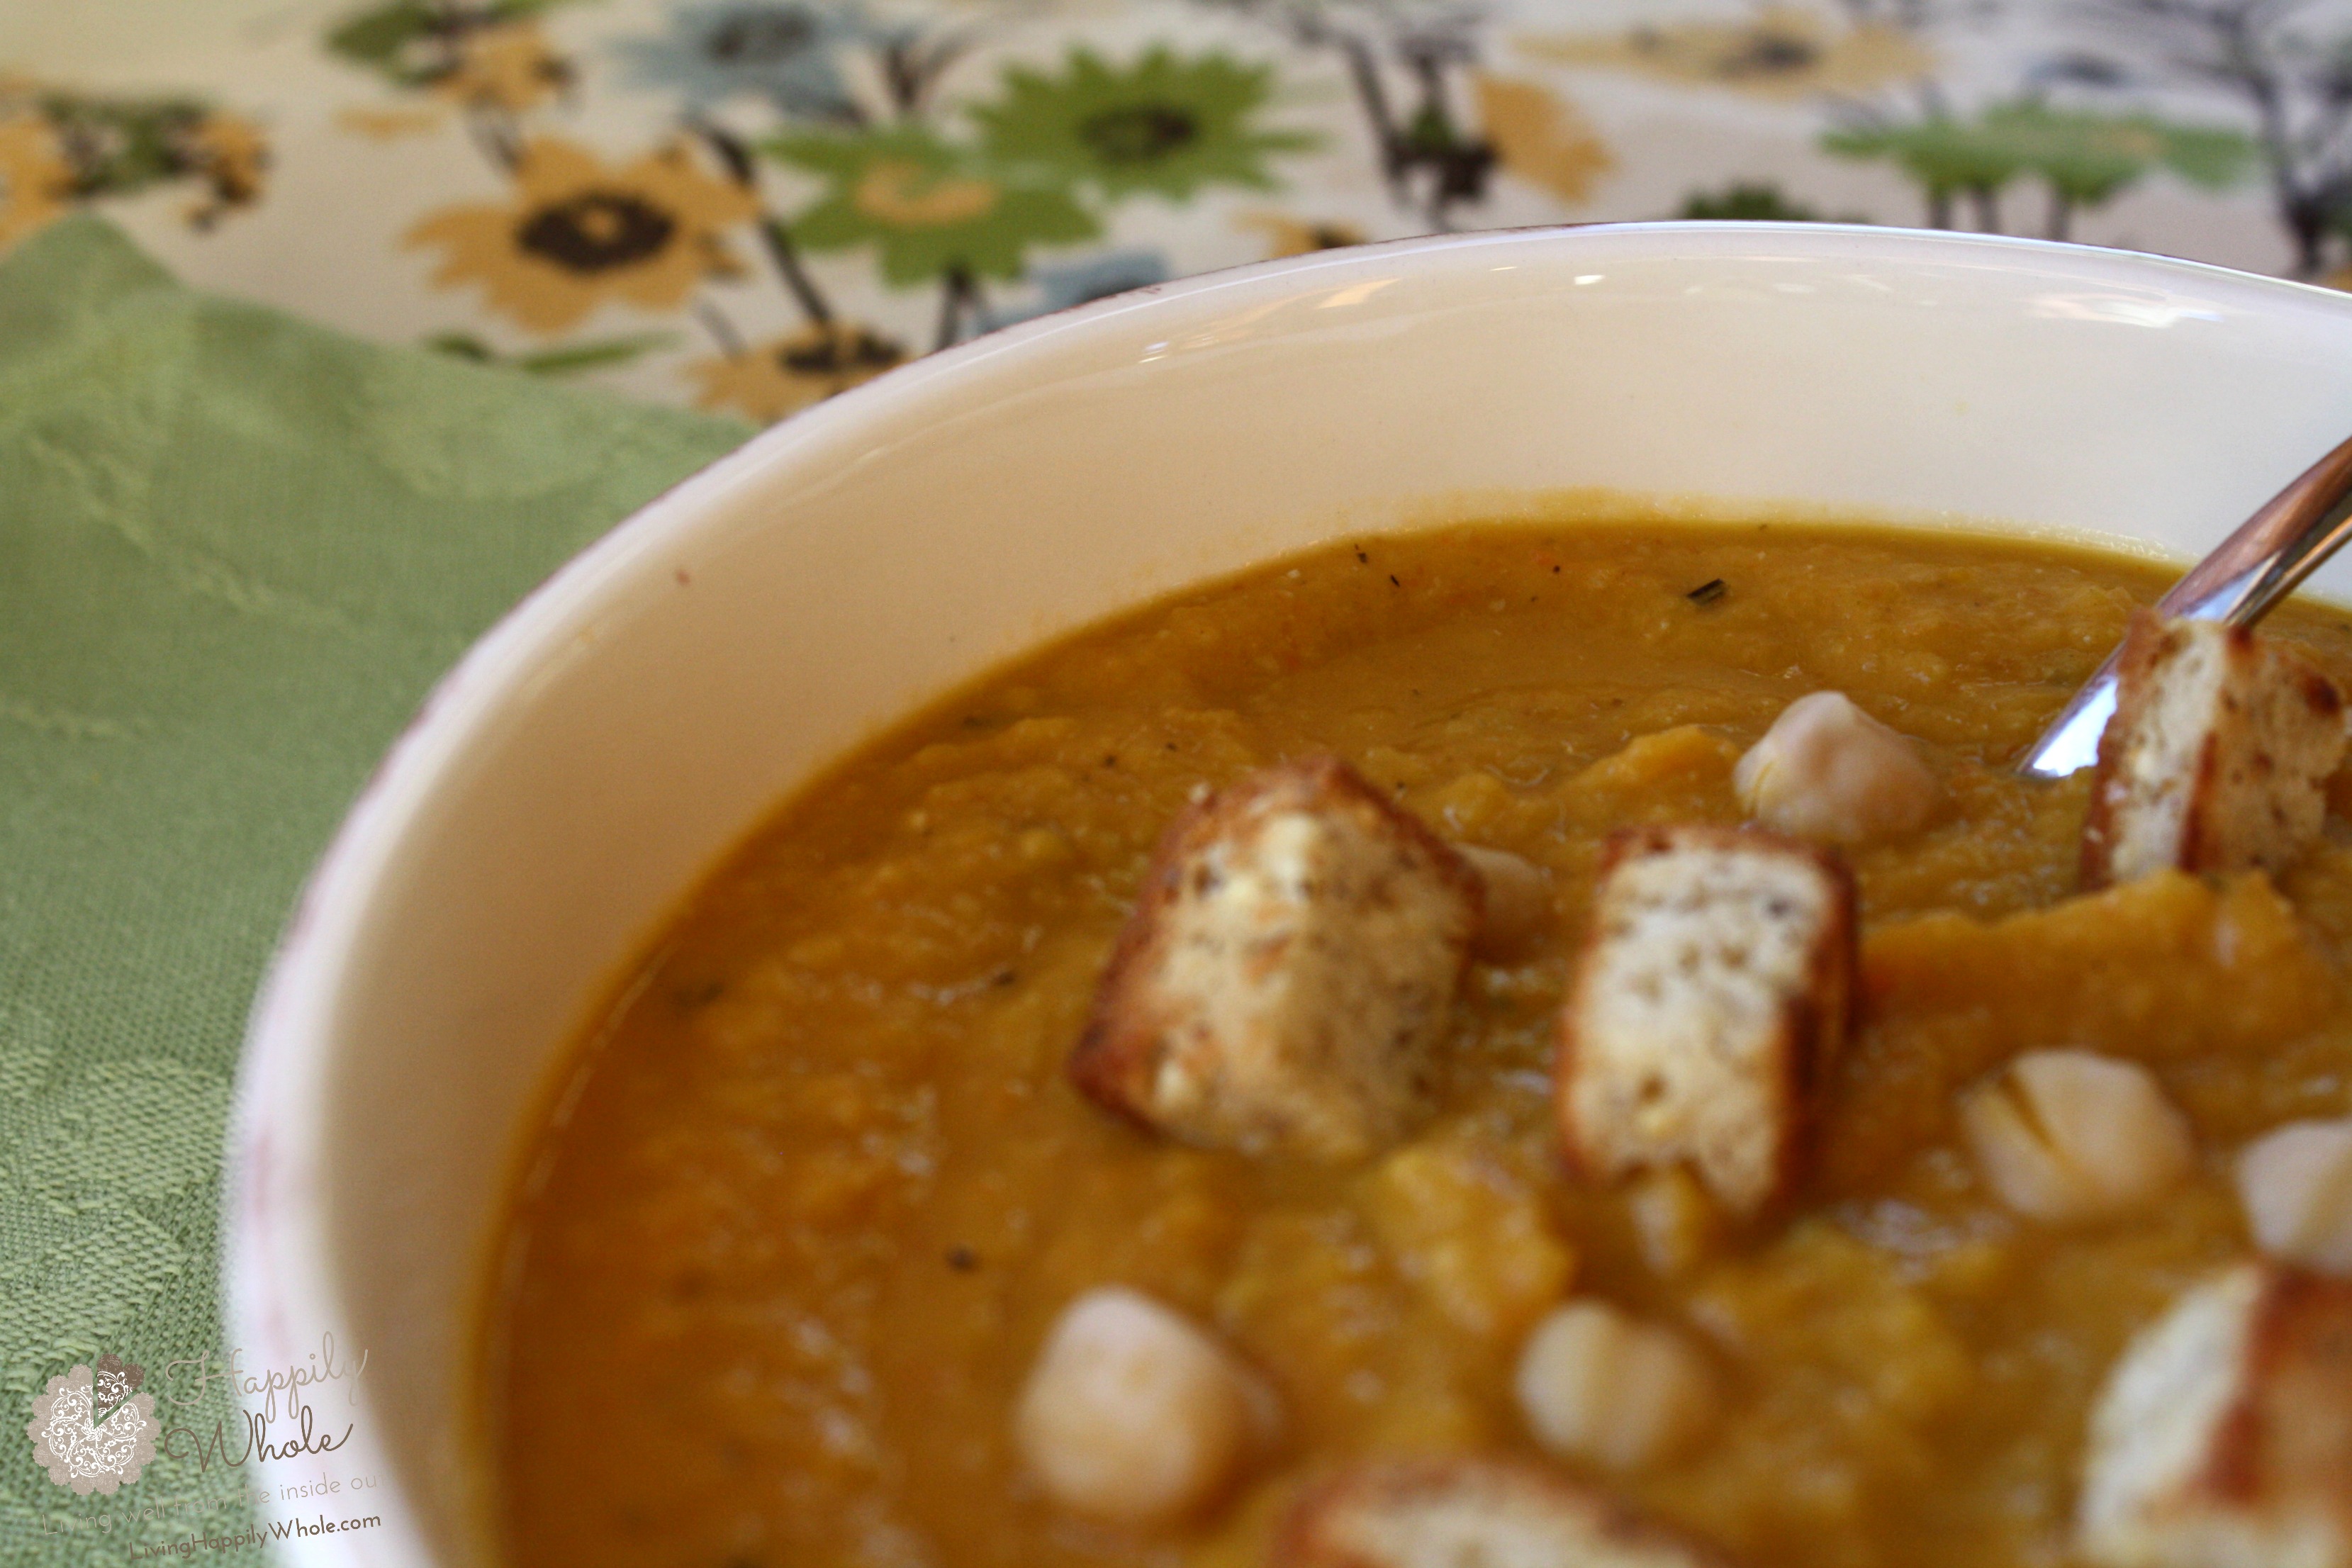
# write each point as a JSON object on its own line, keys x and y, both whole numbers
{"x": 1714, "y": 989}
{"x": 1493, "y": 1513}
{"x": 2301, "y": 1360}
{"x": 2224, "y": 1436}
{"x": 2217, "y": 758}
{"x": 1286, "y": 970}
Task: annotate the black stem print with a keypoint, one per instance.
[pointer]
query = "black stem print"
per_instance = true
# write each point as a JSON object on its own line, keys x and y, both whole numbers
{"x": 1364, "y": 72}
{"x": 957, "y": 291}
{"x": 1434, "y": 126}
{"x": 728, "y": 148}
{"x": 495, "y": 137}
{"x": 722, "y": 331}
{"x": 912, "y": 66}
{"x": 1916, "y": 16}
{"x": 774, "y": 237}
{"x": 777, "y": 240}
{"x": 449, "y": 24}
{"x": 2298, "y": 91}
{"x": 1429, "y": 144}
{"x": 2233, "y": 27}
{"x": 1429, "y": 73}
{"x": 898, "y": 78}
{"x": 840, "y": 111}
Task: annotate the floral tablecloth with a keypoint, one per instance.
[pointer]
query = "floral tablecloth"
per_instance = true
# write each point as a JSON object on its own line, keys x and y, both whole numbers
{"x": 748, "y": 204}
{"x": 234, "y": 549}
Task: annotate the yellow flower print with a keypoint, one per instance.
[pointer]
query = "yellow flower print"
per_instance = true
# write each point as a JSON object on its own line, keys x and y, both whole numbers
{"x": 509, "y": 67}
{"x": 1783, "y": 53}
{"x": 1287, "y": 235}
{"x": 35, "y": 178}
{"x": 391, "y": 124}
{"x": 230, "y": 154}
{"x": 579, "y": 232}
{"x": 907, "y": 196}
{"x": 790, "y": 372}
{"x": 1541, "y": 137}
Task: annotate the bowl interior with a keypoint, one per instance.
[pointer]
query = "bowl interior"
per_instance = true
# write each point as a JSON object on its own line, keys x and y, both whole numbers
{"x": 624, "y": 728}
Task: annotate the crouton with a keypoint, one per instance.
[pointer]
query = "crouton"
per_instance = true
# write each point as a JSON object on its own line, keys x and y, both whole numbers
{"x": 1287, "y": 970}
{"x": 1596, "y": 1384}
{"x": 1470, "y": 1513}
{"x": 1713, "y": 990}
{"x": 2296, "y": 1185}
{"x": 1826, "y": 770}
{"x": 2217, "y": 758}
{"x": 1136, "y": 1417}
{"x": 2223, "y": 1437}
{"x": 2073, "y": 1137}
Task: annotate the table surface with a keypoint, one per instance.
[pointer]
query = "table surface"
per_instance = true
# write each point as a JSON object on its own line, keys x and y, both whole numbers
{"x": 746, "y": 204}
{"x": 235, "y": 549}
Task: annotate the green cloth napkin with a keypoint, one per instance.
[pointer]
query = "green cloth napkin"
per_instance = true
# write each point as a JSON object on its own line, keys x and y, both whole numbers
{"x": 235, "y": 550}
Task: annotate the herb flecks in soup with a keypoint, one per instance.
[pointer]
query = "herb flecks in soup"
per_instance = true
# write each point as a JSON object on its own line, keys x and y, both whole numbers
{"x": 797, "y": 1249}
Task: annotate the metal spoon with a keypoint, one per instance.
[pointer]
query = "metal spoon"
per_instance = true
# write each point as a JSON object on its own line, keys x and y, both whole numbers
{"x": 2269, "y": 556}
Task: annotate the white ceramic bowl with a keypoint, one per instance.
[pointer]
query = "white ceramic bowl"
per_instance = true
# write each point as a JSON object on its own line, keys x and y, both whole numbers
{"x": 619, "y": 731}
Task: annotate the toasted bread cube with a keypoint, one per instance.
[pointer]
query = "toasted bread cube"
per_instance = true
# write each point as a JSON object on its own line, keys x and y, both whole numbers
{"x": 2223, "y": 1437}
{"x": 2296, "y": 1184}
{"x": 1134, "y": 1415}
{"x": 1711, "y": 992}
{"x": 1599, "y": 1386}
{"x": 1470, "y": 1513}
{"x": 1828, "y": 771}
{"x": 2073, "y": 1137}
{"x": 1287, "y": 970}
{"x": 2218, "y": 755}
{"x": 1517, "y": 903}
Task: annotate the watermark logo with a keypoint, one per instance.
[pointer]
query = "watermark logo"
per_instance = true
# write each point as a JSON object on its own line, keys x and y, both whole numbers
{"x": 93, "y": 1430}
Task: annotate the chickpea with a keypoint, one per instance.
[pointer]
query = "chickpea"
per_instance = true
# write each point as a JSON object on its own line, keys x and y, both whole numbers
{"x": 1827, "y": 769}
{"x": 2070, "y": 1137}
{"x": 1135, "y": 1416}
{"x": 2296, "y": 1184}
{"x": 1597, "y": 1385}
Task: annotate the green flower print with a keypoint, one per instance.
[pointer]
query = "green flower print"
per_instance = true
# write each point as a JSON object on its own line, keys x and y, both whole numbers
{"x": 1164, "y": 125}
{"x": 1943, "y": 156}
{"x": 931, "y": 209}
{"x": 60, "y": 146}
{"x": 415, "y": 43}
{"x": 2085, "y": 160}
{"x": 1751, "y": 200}
{"x": 2088, "y": 160}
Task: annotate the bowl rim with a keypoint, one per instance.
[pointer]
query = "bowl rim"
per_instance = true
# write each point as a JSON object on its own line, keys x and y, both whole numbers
{"x": 275, "y": 1258}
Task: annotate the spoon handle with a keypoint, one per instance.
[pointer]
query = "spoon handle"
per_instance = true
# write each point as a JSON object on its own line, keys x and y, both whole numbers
{"x": 2264, "y": 561}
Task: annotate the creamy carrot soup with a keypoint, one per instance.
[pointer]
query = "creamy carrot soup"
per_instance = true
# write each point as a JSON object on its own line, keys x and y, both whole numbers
{"x": 818, "y": 1186}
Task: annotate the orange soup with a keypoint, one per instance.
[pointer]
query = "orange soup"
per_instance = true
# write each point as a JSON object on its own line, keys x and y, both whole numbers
{"x": 818, "y": 1184}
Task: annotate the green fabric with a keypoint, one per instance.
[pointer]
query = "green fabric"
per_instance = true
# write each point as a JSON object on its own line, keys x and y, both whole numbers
{"x": 235, "y": 550}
